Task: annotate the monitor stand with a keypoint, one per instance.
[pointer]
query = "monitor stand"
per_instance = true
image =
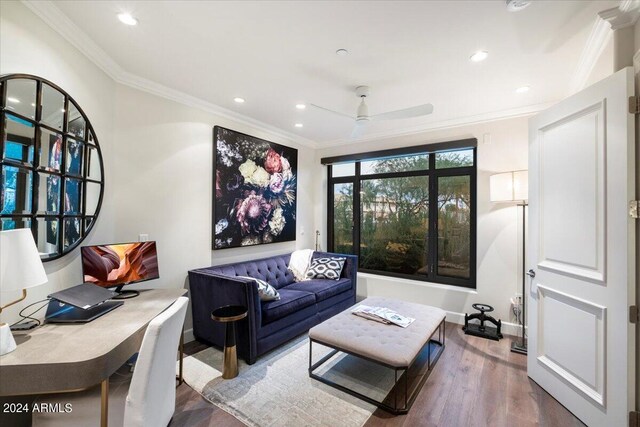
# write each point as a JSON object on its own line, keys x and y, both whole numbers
{"x": 125, "y": 294}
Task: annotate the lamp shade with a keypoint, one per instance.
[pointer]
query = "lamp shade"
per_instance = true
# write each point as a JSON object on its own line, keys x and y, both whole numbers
{"x": 20, "y": 264}
{"x": 509, "y": 186}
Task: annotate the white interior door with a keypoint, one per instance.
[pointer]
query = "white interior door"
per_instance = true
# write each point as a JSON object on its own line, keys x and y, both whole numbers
{"x": 582, "y": 250}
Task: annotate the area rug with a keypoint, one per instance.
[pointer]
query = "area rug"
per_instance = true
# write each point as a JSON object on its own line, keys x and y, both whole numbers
{"x": 277, "y": 390}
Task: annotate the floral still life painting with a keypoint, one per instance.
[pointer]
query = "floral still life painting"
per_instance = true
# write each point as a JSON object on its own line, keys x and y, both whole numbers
{"x": 255, "y": 190}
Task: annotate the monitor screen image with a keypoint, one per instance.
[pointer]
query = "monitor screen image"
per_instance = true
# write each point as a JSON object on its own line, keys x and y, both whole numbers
{"x": 119, "y": 264}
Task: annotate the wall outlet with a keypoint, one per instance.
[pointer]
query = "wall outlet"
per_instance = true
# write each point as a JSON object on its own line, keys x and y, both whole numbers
{"x": 143, "y": 237}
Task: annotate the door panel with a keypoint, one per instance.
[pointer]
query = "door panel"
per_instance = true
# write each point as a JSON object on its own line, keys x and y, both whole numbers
{"x": 582, "y": 249}
{"x": 572, "y": 154}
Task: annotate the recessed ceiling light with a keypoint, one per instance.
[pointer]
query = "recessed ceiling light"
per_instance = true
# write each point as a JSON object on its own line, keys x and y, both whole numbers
{"x": 239, "y": 100}
{"x": 301, "y": 106}
{"x": 342, "y": 52}
{"x": 33, "y": 104}
{"x": 480, "y": 55}
{"x": 62, "y": 110}
{"x": 14, "y": 100}
{"x": 127, "y": 19}
{"x": 298, "y": 125}
{"x": 523, "y": 89}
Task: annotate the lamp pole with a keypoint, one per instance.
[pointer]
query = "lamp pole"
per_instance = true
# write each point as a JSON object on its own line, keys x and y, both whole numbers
{"x": 521, "y": 347}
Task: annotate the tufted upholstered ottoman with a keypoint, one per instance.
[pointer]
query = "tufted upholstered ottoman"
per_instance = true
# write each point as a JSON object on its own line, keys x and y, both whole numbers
{"x": 410, "y": 351}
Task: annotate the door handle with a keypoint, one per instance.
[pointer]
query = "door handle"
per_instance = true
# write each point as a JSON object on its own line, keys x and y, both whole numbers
{"x": 531, "y": 273}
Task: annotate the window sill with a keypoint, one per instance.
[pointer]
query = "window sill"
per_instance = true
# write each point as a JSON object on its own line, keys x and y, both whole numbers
{"x": 418, "y": 283}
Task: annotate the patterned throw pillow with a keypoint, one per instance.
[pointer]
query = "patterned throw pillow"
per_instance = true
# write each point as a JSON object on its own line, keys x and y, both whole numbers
{"x": 326, "y": 268}
{"x": 265, "y": 290}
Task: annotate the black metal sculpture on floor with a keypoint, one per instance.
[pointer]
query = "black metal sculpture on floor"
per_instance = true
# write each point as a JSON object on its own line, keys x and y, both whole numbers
{"x": 479, "y": 329}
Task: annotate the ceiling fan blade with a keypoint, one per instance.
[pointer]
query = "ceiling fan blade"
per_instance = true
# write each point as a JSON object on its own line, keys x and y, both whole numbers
{"x": 358, "y": 129}
{"x": 333, "y": 112}
{"x": 407, "y": 113}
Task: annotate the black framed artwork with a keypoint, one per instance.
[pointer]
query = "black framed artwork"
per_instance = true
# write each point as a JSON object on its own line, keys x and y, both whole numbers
{"x": 255, "y": 190}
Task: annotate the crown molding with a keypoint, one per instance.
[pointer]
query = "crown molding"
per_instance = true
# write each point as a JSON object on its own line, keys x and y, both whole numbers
{"x": 59, "y": 22}
{"x": 599, "y": 36}
{"x": 622, "y": 16}
{"x": 445, "y": 124}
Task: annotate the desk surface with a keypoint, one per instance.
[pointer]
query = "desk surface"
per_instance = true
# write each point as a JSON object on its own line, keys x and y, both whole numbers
{"x": 68, "y": 357}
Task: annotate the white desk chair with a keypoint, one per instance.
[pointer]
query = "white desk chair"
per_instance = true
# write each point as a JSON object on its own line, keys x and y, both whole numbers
{"x": 151, "y": 398}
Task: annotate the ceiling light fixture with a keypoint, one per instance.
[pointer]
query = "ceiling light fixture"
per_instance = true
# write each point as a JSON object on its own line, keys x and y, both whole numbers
{"x": 301, "y": 106}
{"x": 127, "y": 19}
{"x": 517, "y": 5}
{"x": 480, "y": 55}
{"x": 14, "y": 100}
{"x": 239, "y": 100}
{"x": 523, "y": 89}
{"x": 298, "y": 125}
{"x": 33, "y": 104}
{"x": 342, "y": 52}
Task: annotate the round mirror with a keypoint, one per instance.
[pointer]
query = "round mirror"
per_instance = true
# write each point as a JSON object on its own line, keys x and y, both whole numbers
{"x": 51, "y": 171}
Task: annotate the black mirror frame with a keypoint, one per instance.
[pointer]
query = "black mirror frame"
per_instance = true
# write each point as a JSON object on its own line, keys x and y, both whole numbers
{"x": 38, "y": 124}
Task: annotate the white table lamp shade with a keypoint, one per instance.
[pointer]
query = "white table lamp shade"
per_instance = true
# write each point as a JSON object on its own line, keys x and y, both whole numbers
{"x": 509, "y": 186}
{"x": 20, "y": 263}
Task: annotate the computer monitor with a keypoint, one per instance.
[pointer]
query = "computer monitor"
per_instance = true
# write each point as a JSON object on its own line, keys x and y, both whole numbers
{"x": 117, "y": 265}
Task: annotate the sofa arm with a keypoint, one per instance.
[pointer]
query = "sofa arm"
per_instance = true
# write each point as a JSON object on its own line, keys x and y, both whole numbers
{"x": 350, "y": 269}
{"x": 210, "y": 290}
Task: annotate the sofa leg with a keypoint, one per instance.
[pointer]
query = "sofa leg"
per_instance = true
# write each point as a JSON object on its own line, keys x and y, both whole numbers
{"x": 250, "y": 361}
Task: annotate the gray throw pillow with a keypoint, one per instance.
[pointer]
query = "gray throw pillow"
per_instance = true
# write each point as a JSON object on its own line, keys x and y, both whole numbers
{"x": 326, "y": 268}
{"x": 265, "y": 290}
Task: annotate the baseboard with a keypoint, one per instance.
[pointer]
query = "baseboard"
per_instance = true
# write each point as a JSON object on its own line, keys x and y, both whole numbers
{"x": 507, "y": 328}
{"x": 188, "y": 335}
{"x": 453, "y": 317}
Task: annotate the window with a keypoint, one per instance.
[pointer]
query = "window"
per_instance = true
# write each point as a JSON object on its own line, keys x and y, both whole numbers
{"x": 408, "y": 212}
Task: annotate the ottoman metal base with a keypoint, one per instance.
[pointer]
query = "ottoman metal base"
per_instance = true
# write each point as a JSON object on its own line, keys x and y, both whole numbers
{"x": 405, "y": 390}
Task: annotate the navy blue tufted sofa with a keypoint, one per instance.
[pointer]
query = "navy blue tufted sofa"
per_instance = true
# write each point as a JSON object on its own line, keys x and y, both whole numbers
{"x": 302, "y": 305}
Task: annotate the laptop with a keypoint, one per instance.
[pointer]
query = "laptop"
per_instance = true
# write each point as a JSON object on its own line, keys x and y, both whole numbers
{"x": 80, "y": 304}
{"x": 84, "y": 296}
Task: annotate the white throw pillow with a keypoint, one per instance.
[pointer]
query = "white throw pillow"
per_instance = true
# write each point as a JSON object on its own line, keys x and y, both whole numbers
{"x": 265, "y": 290}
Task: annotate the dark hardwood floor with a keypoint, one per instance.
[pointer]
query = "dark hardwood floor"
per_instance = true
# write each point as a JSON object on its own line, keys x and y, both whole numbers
{"x": 476, "y": 382}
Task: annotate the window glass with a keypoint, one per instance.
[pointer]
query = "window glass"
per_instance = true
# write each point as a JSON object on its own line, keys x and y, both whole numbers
{"x": 454, "y": 226}
{"x": 403, "y": 219}
{"x": 343, "y": 169}
{"x": 454, "y": 159}
{"x": 394, "y": 224}
{"x": 343, "y": 218}
{"x": 395, "y": 164}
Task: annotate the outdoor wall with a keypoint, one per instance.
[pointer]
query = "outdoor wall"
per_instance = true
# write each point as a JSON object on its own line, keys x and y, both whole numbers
{"x": 502, "y": 146}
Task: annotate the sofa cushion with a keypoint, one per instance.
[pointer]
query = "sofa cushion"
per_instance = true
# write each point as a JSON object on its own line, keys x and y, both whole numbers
{"x": 272, "y": 270}
{"x": 326, "y": 268}
{"x": 290, "y": 301}
{"x": 322, "y": 288}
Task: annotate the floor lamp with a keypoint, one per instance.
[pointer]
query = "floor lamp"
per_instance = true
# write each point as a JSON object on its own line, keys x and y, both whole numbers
{"x": 513, "y": 187}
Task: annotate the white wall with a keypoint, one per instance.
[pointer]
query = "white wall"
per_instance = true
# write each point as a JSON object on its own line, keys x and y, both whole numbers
{"x": 164, "y": 176}
{"x": 27, "y": 45}
{"x": 498, "y": 226}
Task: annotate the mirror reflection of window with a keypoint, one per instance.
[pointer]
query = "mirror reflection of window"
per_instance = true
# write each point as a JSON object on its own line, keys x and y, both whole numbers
{"x": 19, "y": 139}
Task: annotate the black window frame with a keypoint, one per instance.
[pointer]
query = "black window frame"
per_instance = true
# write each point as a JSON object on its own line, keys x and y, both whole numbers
{"x": 434, "y": 175}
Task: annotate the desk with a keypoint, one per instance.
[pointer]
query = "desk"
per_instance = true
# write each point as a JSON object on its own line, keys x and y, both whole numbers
{"x": 57, "y": 358}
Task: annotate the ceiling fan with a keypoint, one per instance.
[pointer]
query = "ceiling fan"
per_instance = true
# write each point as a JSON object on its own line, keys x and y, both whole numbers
{"x": 363, "y": 118}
